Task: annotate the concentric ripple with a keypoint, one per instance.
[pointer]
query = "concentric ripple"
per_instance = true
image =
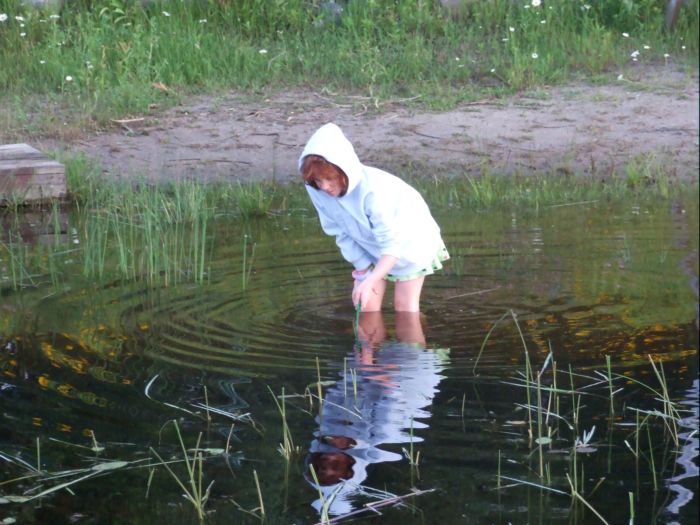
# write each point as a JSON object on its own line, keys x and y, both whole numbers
{"x": 281, "y": 300}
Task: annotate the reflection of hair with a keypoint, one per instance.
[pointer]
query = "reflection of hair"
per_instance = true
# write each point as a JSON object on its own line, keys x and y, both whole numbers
{"x": 315, "y": 167}
{"x": 332, "y": 467}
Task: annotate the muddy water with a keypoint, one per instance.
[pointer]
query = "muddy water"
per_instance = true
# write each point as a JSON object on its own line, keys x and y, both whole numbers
{"x": 119, "y": 360}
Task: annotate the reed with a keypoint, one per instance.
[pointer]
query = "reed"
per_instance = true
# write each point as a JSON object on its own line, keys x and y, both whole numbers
{"x": 498, "y": 473}
{"x": 191, "y": 484}
{"x": 287, "y": 448}
{"x": 577, "y": 495}
{"x": 319, "y": 387}
{"x": 610, "y": 387}
{"x": 261, "y": 508}
{"x": 631, "y": 499}
{"x": 652, "y": 464}
{"x": 323, "y": 499}
{"x": 412, "y": 456}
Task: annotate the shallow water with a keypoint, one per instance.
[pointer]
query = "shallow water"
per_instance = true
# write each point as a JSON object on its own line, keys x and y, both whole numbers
{"x": 122, "y": 359}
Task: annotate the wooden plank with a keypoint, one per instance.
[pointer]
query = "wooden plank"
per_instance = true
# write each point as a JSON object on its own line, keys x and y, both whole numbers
{"x": 19, "y": 151}
{"x": 28, "y": 174}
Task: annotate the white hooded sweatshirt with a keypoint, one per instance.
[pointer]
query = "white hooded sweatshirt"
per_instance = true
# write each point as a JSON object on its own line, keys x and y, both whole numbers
{"x": 379, "y": 215}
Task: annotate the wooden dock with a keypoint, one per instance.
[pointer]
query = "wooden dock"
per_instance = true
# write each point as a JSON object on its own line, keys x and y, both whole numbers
{"x": 27, "y": 175}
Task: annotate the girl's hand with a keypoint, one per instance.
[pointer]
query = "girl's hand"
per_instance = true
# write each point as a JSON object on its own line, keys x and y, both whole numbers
{"x": 363, "y": 291}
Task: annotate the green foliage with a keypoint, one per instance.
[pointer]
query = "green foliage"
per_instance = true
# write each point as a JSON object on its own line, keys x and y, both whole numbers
{"x": 104, "y": 56}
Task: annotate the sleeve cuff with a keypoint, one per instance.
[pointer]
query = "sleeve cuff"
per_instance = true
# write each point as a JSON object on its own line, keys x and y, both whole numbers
{"x": 362, "y": 264}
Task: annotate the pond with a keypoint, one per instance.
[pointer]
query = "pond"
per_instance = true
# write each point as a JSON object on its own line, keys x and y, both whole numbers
{"x": 551, "y": 377}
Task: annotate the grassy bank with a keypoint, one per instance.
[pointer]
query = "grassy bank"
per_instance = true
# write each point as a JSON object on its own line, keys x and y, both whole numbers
{"x": 164, "y": 233}
{"x": 99, "y": 59}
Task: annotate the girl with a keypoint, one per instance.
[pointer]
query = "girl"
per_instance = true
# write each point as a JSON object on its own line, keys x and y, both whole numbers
{"x": 382, "y": 225}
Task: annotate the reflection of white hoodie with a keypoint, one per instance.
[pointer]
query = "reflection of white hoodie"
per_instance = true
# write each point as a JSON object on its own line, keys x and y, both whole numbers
{"x": 379, "y": 215}
{"x": 377, "y": 407}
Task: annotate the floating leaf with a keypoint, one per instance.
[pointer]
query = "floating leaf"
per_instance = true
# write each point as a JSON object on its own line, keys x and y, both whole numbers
{"x": 210, "y": 451}
{"x": 110, "y": 465}
{"x": 13, "y": 499}
{"x": 543, "y": 440}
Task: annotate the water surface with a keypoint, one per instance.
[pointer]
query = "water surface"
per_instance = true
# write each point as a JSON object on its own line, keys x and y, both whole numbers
{"x": 120, "y": 359}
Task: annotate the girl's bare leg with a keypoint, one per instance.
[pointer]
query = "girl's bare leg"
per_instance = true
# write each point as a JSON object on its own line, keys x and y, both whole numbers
{"x": 375, "y": 303}
{"x": 407, "y": 295}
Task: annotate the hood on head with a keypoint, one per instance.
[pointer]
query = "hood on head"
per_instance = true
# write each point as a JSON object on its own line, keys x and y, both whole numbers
{"x": 329, "y": 142}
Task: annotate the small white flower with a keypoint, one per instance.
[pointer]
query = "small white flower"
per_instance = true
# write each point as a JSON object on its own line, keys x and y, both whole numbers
{"x": 263, "y": 51}
{"x": 543, "y": 21}
{"x": 666, "y": 55}
{"x": 536, "y": 3}
{"x": 647, "y": 47}
{"x": 90, "y": 66}
{"x": 620, "y": 77}
{"x": 626, "y": 35}
{"x": 505, "y": 39}
{"x": 165, "y": 13}
{"x": 23, "y": 34}
{"x": 19, "y": 18}
{"x": 3, "y": 17}
{"x": 21, "y": 25}
{"x": 457, "y": 59}
{"x": 682, "y": 47}
{"x": 511, "y": 29}
{"x": 493, "y": 70}
{"x": 42, "y": 61}
{"x": 535, "y": 55}
{"x": 635, "y": 53}
{"x": 69, "y": 78}
{"x": 54, "y": 17}
{"x": 203, "y": 21}
{"x": 586, "y": 7}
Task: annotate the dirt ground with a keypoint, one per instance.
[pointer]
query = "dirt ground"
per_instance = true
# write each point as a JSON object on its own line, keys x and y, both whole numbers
{"x": 579, "y": 128}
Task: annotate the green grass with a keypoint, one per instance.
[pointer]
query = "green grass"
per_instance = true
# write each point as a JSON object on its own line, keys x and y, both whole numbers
{"x": 104, "y": 58}
{"x": 163, "y": 233}
{"x": 641, "y": 178}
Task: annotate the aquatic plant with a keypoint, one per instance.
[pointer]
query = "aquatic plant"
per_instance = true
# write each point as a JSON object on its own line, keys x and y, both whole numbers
{"x": 191, "y": 484}
{"x": 287, "y": 448}
{"x": 582, "y": 445}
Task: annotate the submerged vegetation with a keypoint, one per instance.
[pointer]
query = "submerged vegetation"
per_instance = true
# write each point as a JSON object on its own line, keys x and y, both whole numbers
{"x": 95, "y": 60}
{"x": 555, "y": 448}
{"x": 558, "y": 423}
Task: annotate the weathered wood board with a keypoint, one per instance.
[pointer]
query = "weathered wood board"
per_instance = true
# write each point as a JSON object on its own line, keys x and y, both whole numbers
{"x": 26, "y": 175}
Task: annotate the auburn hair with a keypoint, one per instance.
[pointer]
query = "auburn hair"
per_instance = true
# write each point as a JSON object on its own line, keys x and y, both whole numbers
{"x": 315, "y": 167}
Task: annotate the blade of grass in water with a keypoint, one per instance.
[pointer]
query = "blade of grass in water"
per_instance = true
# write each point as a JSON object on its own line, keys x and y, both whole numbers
{"x": 357, "y": 318}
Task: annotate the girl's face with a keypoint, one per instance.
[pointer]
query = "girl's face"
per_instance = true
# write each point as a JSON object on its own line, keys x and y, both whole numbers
{"x": 324, "y": 176}
{"x": 332, "y": 186}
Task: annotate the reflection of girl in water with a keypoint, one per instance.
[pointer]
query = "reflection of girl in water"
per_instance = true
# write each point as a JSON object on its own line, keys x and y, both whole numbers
{"x": 394, "y": 381}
